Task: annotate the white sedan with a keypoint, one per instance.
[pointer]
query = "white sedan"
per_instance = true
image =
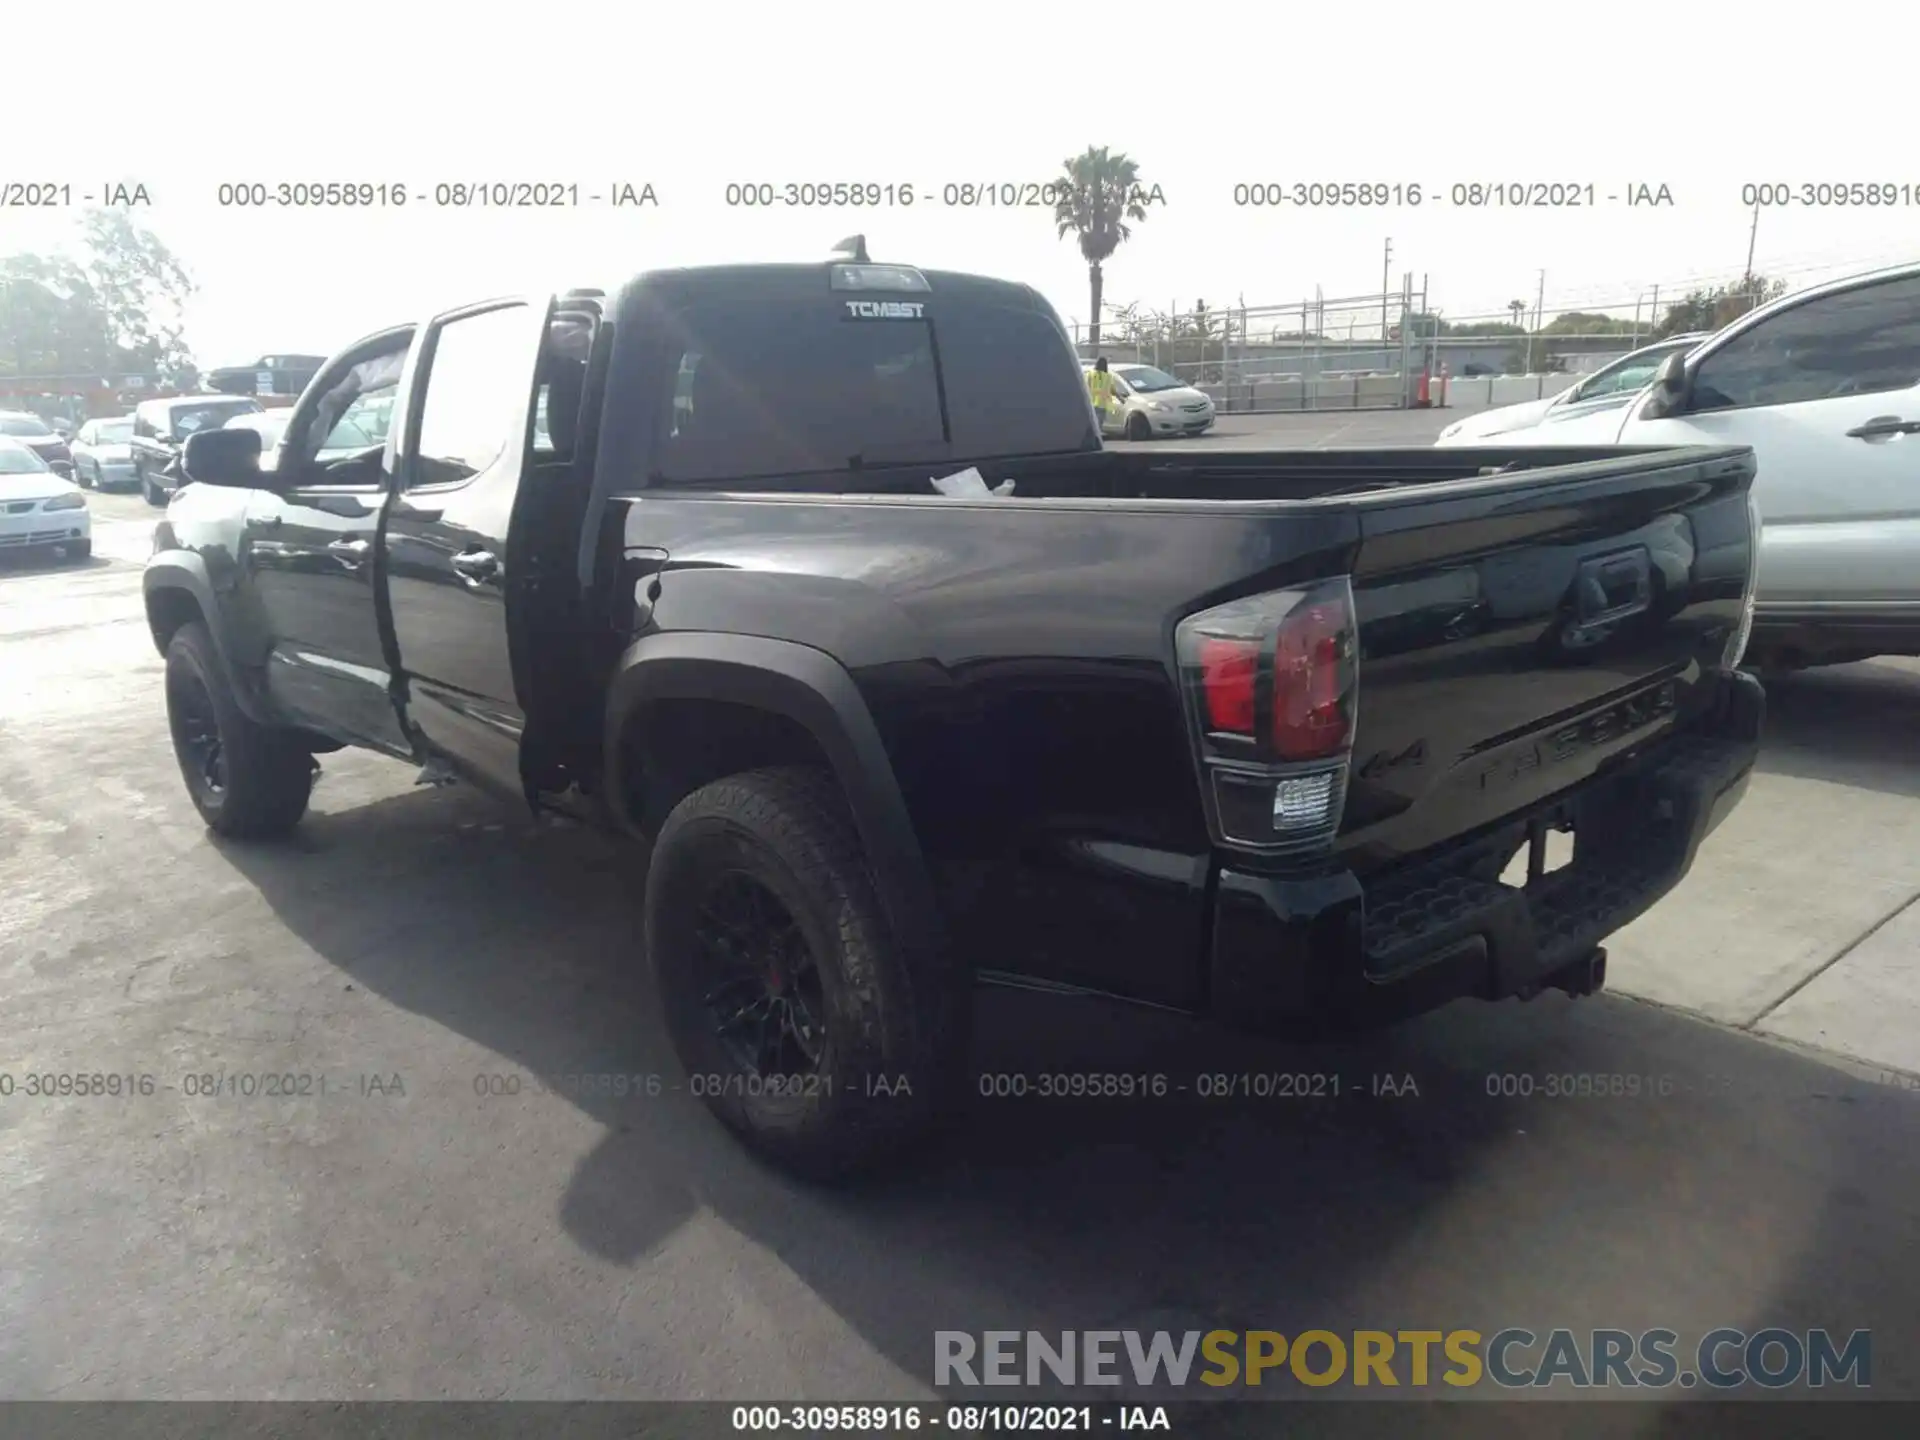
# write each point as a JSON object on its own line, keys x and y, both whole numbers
{"x": 1150, "y": 403}
{"x": 40, "y": 510}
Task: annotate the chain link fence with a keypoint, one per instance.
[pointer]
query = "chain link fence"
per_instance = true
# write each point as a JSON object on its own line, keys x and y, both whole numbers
{"x": 1392, "y": 350}
{"x": 1350, "y": 352}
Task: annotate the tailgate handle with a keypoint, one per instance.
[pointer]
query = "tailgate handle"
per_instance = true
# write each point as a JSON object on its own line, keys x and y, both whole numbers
{"x": 1612, "y": 588}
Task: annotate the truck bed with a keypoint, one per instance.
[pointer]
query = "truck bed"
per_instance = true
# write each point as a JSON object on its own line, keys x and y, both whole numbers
{"x": 1202, "y": 473}
{"x": 1017, "y": 653}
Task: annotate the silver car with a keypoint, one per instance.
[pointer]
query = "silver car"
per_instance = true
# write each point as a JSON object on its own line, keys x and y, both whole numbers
{"x": 1150, "y": 403}
{"x": 1824, "y": 387}
{"x": 1608, "y": 388}
{"x": 103, "y": 454}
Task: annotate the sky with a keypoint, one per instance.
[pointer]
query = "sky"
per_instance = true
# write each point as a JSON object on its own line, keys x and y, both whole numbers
{"x": 1701, "y": 98}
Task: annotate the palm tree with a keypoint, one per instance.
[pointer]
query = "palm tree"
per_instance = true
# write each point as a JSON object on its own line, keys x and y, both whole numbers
{"x": 1518, "y": 309}
{"x": 1098, "y": 195}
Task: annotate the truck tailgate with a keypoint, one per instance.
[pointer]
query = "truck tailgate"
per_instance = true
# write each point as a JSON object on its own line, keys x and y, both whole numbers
{"x": 1517, "y": 634}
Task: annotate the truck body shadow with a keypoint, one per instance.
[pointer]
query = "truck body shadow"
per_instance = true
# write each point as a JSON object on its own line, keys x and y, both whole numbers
{"x": 1763, "y": 1188}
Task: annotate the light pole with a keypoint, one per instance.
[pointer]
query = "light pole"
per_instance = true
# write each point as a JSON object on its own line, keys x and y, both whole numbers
{"x": 1748, "y": 295}
{"x": 1386, "y": 274}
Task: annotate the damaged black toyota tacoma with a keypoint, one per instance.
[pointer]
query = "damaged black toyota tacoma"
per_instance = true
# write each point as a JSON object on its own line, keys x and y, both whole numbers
{"x": 1249, "y": 734}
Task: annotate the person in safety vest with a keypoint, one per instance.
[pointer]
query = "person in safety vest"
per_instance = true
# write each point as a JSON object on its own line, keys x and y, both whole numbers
{"x": 1100, "y": 388}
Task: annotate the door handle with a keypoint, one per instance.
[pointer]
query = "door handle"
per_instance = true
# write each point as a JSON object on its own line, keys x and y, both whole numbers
{"x": 476, "y": 567}
{"x": 349, "y": 553}
{"x": 1883, "y": 427}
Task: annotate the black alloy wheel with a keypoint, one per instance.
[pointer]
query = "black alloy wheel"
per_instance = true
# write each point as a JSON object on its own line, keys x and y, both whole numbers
{"x": 196, "y": 734}
{"x": 805, "y": 1025}
{"x": 766, "y": 1005}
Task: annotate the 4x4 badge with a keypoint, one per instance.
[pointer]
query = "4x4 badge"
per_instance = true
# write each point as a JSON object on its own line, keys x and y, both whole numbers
{"x": 1384, "y": 763}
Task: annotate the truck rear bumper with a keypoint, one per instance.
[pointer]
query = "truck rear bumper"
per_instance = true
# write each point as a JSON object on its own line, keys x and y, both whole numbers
{"x": 1299, "y": 953}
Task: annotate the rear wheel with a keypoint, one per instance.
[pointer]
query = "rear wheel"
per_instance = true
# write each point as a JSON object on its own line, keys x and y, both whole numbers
{"x": 801, "y": 1023}
{"x": 247, "y": 780}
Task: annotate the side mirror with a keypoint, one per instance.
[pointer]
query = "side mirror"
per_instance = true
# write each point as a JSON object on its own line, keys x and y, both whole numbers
{"x": 224, "y": 457}
{"x": 1670, "y": 386}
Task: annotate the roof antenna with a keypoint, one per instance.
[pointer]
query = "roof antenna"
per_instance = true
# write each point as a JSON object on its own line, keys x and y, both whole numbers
{"x": 852, "y": 249}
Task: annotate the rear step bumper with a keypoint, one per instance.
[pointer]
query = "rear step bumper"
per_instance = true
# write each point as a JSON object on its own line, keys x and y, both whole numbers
{"x": 1295, "y": 953}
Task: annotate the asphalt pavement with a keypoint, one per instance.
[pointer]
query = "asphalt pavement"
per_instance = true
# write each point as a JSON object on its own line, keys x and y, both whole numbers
{"x": 401, "y": 1185}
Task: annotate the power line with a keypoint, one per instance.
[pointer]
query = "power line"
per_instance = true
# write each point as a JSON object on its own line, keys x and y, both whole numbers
{"x": 1811, "y": 270}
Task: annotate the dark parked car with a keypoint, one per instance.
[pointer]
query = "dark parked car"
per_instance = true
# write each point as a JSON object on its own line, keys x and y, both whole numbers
{"x": 1123, "y": 730}
{"x": 161, "y": 427}
{"x": 38, "y": 436}
{"x": 269, "y": 375}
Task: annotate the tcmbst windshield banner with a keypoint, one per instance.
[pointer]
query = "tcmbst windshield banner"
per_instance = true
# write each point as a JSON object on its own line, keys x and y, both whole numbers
{"x": 885, "y": 309}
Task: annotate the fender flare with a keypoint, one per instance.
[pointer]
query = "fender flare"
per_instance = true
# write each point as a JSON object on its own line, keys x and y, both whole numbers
{"x": 183, "y": 570}
{"x": 814, "y": 690}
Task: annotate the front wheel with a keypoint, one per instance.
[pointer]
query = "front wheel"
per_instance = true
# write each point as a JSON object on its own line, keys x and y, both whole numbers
{"x": 247, "y": 780}
{"x": 1138, "y": 428}
{"x": 84, "y": 477}
{"x": 800, "y": 1022}
{"x": 148, "y": 491}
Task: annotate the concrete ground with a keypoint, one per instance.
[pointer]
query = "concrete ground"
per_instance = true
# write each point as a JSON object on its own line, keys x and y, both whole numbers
{"x": 414, "y": 1233}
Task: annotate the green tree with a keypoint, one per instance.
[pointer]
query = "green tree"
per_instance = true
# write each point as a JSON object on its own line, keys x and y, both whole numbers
{"x": 1100, "y": 198}
{"x": 116, "y": 307}
{"x": 1422, "y": 325}
{"x": 1581, "y": 322}
{"x": 1714, "y": 306}
{"x": 48, "y": 324}
{"x": 143, "y": 288}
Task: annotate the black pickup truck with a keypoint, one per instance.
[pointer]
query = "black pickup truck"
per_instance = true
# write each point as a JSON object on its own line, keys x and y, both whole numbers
{"x": 1252, "y": 735}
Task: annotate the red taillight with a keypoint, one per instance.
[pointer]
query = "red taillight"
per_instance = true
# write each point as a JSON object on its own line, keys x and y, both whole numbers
{"x": 1270, "y": 684}
{"x": 1229, "y": 671}
{"x": 1311, "y": 717}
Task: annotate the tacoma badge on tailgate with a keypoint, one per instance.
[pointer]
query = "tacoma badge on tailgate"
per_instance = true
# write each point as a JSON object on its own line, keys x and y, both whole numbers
{"x": 1622, "y": 718}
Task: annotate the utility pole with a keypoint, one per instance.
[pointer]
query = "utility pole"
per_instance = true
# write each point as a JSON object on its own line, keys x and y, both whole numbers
{"x": 1539, "y": 305}
{"x": 1386, "y": 273}
{"x": 1753, "y": 233}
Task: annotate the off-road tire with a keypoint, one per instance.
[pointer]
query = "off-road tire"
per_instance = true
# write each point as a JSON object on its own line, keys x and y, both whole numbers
{"x": 268, "y": 771}
{"x": 894, "y": 1056}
